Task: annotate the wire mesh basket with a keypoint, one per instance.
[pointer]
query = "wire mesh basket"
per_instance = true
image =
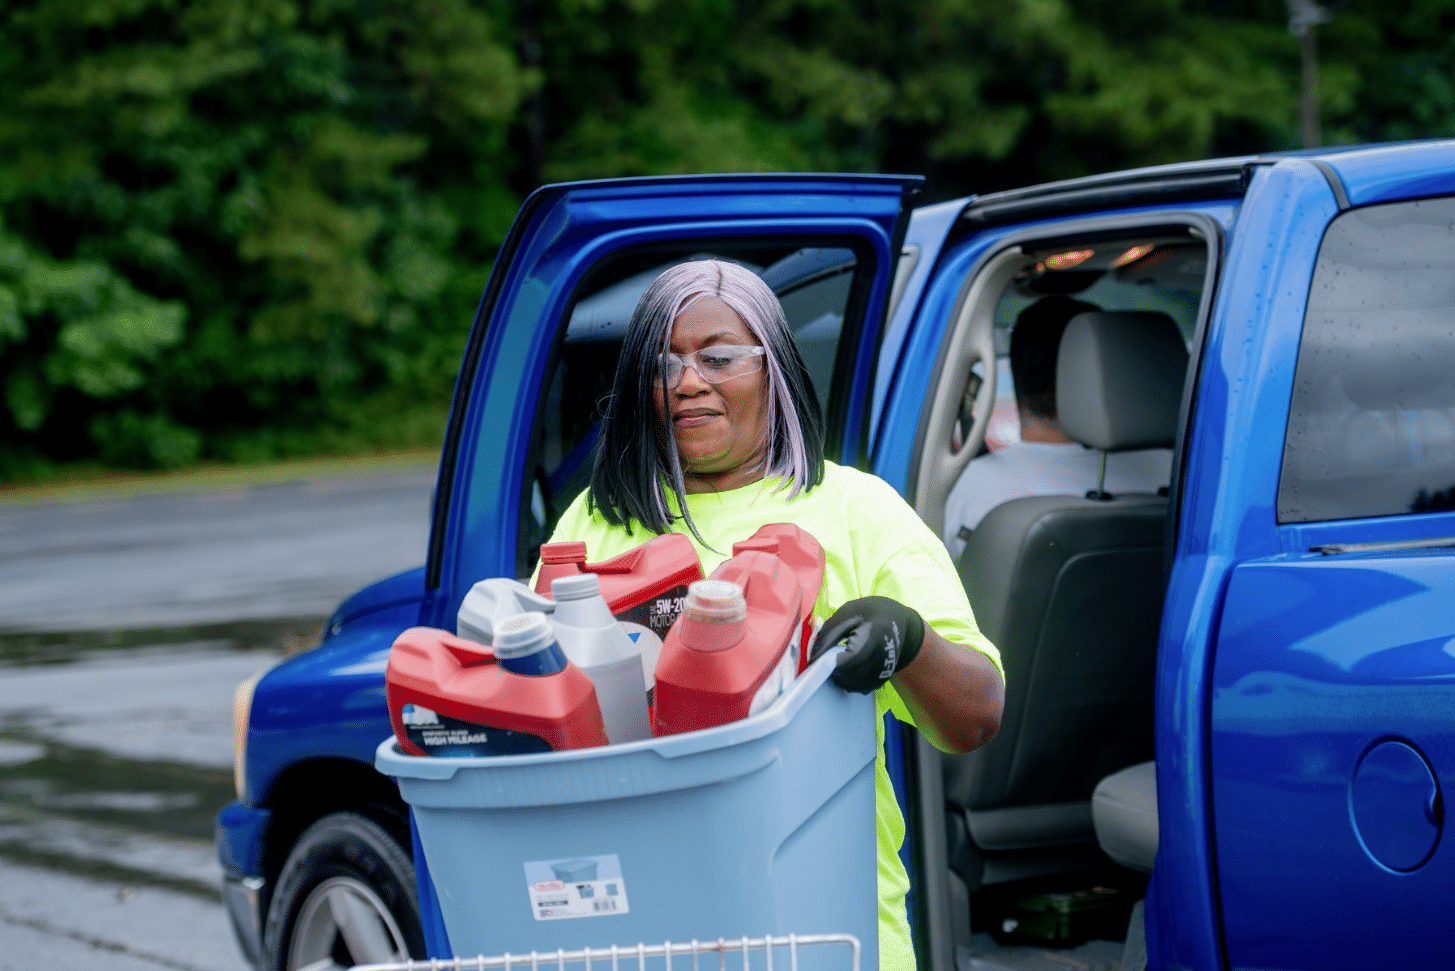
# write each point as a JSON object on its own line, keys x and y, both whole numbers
{"x": 634, "y": 957}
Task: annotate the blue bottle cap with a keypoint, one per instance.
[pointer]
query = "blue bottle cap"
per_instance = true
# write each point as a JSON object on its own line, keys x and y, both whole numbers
{"x": 526, "y": 644}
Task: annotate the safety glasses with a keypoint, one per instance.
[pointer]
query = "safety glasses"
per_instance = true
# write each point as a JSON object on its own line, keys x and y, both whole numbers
{"x": 716, "y": 364}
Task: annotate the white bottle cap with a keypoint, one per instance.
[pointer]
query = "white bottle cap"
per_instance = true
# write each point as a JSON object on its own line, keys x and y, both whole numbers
{"x": 523, "y": 634}
{"x": 579, "y": 586}
{"x": 715, "y": 602}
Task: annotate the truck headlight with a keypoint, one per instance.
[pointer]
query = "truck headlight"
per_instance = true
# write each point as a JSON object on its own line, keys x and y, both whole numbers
{"x": 242, "y": 714}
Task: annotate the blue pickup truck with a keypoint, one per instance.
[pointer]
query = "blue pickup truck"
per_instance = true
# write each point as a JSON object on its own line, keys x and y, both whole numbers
{"x": 1235, "y": 697}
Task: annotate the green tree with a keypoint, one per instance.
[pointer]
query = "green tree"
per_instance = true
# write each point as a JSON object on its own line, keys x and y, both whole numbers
{"x": 78, "y": 328}
{"x": 978, "y": 94}
{"x": 234, "y": 228}
{"x": 1387, "y": 72}
{"x": 239, "y": 229}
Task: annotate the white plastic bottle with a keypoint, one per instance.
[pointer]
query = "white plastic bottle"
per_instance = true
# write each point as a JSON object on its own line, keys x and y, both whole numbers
{"x": 599, "y": 646}
{"x": 491, "y": 601}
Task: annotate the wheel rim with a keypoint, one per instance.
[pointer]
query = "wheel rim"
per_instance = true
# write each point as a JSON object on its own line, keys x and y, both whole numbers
{"x": 343, "y": 923}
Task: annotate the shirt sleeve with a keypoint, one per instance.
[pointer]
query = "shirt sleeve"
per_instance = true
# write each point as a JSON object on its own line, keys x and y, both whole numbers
{"x": 913, "y": 567}
{"x": 920, "y": 575}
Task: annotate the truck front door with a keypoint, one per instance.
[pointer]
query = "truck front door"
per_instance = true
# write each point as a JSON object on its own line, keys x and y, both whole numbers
{"x": 1333, "y": 670}
{"x": 544, "y": 347}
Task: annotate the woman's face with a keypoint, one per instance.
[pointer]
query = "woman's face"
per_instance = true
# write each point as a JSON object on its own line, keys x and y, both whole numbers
{"x": 721, "y": 429}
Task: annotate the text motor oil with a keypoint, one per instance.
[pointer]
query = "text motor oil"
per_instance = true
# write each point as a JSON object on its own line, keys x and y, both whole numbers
{"x": 644, "y": 587}
{"x": 491, "y": 601}
{"x": 448, "y": 696}
{"x": 600, "y": 647}
{"x": 730, "y": 653}
{"x": 805, "y": 557}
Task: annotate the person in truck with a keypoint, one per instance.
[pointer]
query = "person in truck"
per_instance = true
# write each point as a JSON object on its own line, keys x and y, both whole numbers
{"x": 1046, "y": 461}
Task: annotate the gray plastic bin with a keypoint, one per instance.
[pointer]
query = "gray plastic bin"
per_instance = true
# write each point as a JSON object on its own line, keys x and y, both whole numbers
{"x": 763, "y": 826}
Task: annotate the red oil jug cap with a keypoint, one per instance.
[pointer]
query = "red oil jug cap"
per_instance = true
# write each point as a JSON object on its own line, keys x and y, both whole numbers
{"x": 572, "y": 551}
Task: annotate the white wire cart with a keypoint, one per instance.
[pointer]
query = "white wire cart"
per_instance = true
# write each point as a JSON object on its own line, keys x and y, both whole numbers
{"x": 634, "y": 957}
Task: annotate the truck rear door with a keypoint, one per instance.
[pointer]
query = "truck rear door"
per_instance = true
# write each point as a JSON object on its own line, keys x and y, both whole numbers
{"x": 1321, "y": 500}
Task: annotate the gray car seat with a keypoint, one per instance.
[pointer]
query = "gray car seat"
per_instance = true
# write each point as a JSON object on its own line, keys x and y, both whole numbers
{"x": 1124, "y": 810}
{"x": 1070, "y": 589}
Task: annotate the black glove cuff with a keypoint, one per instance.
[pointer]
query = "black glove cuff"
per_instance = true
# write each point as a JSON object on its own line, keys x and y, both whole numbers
{"x": 914, "y": 636}
{"x": 883, "y": 636}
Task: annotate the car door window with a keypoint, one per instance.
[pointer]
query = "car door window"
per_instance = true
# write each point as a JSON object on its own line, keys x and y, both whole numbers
{"x": 816, "y": 284}
{"x": 1371, "y": 429}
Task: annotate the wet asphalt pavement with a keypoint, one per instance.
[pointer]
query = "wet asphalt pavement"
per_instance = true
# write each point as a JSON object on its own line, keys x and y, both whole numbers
{"x": 126, "y": 622}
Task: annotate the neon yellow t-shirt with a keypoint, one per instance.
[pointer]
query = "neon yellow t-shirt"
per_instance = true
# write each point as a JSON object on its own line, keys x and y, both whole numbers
{"x": 874, "y": 545}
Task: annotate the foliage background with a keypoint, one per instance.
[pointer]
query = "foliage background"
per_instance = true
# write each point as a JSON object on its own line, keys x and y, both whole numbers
{"x": 237, "y": 230}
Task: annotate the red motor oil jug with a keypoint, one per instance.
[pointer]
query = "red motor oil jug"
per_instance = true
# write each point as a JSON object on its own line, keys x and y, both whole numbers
{"x": 804, "y": 556}
{"x": 448, "y": 696}
{"x": 730, "y": 653}
{"x": 643, "y": 587}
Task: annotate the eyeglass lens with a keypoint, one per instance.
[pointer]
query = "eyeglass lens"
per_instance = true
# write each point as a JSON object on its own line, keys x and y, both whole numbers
{"x": 715, "y": 364}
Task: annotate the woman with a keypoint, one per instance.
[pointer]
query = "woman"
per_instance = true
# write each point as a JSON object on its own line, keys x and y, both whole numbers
{"x": 713, "y": 429}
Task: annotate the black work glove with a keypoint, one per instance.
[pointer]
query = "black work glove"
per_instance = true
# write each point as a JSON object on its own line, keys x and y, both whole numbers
{"x": 883, "y": 636}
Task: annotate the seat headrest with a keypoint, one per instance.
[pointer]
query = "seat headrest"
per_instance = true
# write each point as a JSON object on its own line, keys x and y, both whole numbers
{"x": 1119, "y": 379}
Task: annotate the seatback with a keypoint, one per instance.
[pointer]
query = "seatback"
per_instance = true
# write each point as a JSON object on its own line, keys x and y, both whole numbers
{"x": 1070, "y": 589}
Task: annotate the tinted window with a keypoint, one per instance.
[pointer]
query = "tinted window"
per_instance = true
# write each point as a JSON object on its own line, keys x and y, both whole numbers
{"x": 814, "y": 283}
{"x": 1371, "y": 430}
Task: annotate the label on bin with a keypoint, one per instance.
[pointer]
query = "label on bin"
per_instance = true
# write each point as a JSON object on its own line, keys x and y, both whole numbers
{"x": 576, "y": 886}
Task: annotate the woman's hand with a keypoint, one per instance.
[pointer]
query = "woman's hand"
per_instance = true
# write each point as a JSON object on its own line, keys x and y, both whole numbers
{"x": 955, "y": 693}
{"x": 883, "y": 636}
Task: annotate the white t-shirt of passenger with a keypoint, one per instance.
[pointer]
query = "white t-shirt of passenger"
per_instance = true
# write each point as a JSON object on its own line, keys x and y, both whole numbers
{"x": 1045, "y": 469}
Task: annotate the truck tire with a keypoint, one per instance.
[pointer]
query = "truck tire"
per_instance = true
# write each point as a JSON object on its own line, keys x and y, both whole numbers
{"x": 345, "y": 896}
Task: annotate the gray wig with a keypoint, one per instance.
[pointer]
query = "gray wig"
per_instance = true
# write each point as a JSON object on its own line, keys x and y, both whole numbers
{"x": 636, "y": 452}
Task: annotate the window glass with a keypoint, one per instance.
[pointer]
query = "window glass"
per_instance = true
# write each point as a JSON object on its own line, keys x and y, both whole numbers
{"x": 1160, "y": 273}
{"x": 814, "y": 283}
{"x": 1371, "y": 430}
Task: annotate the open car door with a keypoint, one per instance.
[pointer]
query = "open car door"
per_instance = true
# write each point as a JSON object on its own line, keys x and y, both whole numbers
{"x": 543, "y": 349}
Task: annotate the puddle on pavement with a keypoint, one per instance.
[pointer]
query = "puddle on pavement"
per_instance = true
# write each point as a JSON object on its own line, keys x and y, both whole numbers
{"x": 46, "y": 783}
{"x": 290, "y": 635}
{"x": 127, "y": 877}
{"x": 162, "y": 798}
{"x": 48, "y": 786}
{"x": 41, "y": 775}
